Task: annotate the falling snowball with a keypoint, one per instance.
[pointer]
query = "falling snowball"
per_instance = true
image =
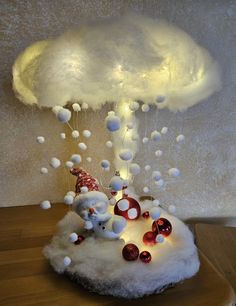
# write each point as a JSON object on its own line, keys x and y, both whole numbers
{"x": 145, "y": 140}
{"x": 130, "y": 125}
{"x": 160, "y": 183}
{"x": 147, "y": 167}
{"x": 75, "y": 134}
{"x": 84, "y": 106}
{"x": 156, "y": 202}
{"x": 160, "y": 238}
{"x": 155, "y": 136}
{"x": 44, "y": 170}
{"x": 40, "y": 139}
{"x": 76, "y": 158}
{"x": 89, "y": 159}
{"x": 105, "y": 164}
{"x": 109, "y": 144}
{"x": 68, "y": 199}
{"x": 66, "y": 261}
{"x": 126, "y": 154}
{"x": 55, "y": 163}
{"x": 156, "y": 175}
{"x": 87, "y": 133}
{"x": 145, "y": 189}
{"x": 164, "y": 130}
{"x": 134, "y": 106}
{"x": 180, "y": 138}
{"x": 158, "y": 153}
{"x": 45, "y": 204}
{"x": 134, "y": 169}
{"x": 112, "y": 122}
{"x": 69, "y": 164}
{"x": 172, "y": 209}
{"x": 82, "y": 146}
{"x": 174, "y": 172}
{"x": 145, "y": 108}
{"x": 56, "y": 109}
{"x": 64, "y": 115}
{"x": 63, "y": 135}
{"x": 155, "y": 213}
{"x": 76, "y": 107}
{"x": 73, "y": 237}
{"x": 116, "y": 183}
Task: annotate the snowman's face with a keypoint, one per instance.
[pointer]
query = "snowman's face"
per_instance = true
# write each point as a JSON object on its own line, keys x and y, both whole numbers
{"x": 86, "y": 209}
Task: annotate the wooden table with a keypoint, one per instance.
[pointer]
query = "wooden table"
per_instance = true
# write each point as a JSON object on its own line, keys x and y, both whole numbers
{"x": 27, "y": 279}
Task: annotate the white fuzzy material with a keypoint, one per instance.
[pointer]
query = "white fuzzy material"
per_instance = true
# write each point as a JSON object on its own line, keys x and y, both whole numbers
{"x": 69, "y": 164}
{"x": 76, "y": 107}
{"x": 55, "y": 162}
{"x": 174, "y": 172}
{"x": 155, "y": 213}
{"x": 40, "y": 139}
{"x": 45, "y": 204}
{"x": 145, "y": 108}
{"x": 64, "y": 115}
{"x": 105, "y": 164}
{"x": 147, "y": 167}
{"x": 156, "y": 175}
{"x": 68, "y": 199}
{"x": 109, "y": 144}
{"x": 89, "y": 159}
{"x": 156, "y": 136}
{"x": 75, "y": 134}
{"x": 116, "y": 183}
{"x": 164, "y": 130}
{"x": 158, "y": 153}
{"x": 98, "y": 263}
{"x": 180, "y": 138}
{"x": 63, "y": 135}
{"x": 87, "y": 133}
{"x": 82, "y": 146}
{"x": 145, "y": 140}
{"x": 134, "y": 169}
{"x": 44, "y": 170}
{"x": 126, "y": 154}
{"x": 73, "y": 237}
{"x": 145, "y": 189}
{"x": 112, "y": 122}
{"x": 76, "y": 158}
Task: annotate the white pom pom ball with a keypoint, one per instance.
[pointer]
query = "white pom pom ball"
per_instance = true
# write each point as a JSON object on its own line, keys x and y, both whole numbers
{"x": 160, "y": 183}
{"x": 64, "y": 115}
{"x": 134, "y": 106}
{"x": 180, "y": 138}
{"x": 160, "y": 238}
{"x": 55, "y": 163}
{"x": 134, "y": 169}
{"x": 174, "y": 172}
{"x": 126, "y": 154}
{"x": 156, "y": 175}
{"x": 109, "y": 144}
{"x": 68, "y": 199}
{"x": 88, "y": 225}
{"x": 76, "y": 158}
{"x": 123, "y": 205}
{"x": 76, "y": 107}
{"x": 87, "y": 133}
{"x": 145, "y": 140}
{"x": 145, "y": 189}
{"x": 63, "y": 135}
{"x": 158, "y": 153}
{"x": 145, "y": 108}
{"x": 66, "y": 261}
{"x": 155, "y": 213}
{"x": 147, "y": 167}
{"x": 89, "y": 159}
{"x": 105, "y": 164}
{"x": 112, "y": 122}
{"x": 56, "y": 109}
{"x": 69, "y": 164}
{"x": 155, "y": 136}
{"x": 156, "y": 202}
{"x": 84, "y": 189}
{"x": 45, "y": 204}
{"x": 82, "y": 146}
{"x": 40, "y": 139}
{"x": 44, "y": 170}
{"x": 84, "y": 106}
{"x": 75, "y": 134}
{"x": 172, "y": 209}
{"x": 116, "y": 183}
{"x": 73, "y": 237}
{"x": 164, "y": 130}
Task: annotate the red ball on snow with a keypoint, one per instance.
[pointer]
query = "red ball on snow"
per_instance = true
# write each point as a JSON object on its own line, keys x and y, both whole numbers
{"x": 149, "y": 238}
{"x": 130, "y": 252}
{"x": 128, "y": 208}
{"x": 162, "y": 226}
{"x": 80, "y": 239}
{"x": 146, "y": 215}
{"x": 145, "y": 257}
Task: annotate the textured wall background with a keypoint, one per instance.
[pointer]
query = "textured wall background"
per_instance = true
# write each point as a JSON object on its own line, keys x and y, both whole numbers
{"x": 207, "y": 187}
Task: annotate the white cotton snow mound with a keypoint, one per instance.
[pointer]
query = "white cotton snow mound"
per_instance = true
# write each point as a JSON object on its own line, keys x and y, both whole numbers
{"x": 132, "y": 57}
{"x": 99, "y": 266}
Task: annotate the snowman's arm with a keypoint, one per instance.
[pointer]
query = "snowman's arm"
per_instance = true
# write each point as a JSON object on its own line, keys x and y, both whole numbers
{"x": 103, "y": 217}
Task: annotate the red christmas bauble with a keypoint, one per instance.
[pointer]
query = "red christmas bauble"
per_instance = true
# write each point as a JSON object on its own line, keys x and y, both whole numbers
{"x": 145, "y": 257}
{"x": 146, "y": 215}
{"x": 130, "y": 252}
{"x": 128, "y": 208}
{"x": 80, "y": 239}
{"x": 149, "y": 238}
{"x": 162, "y": 226}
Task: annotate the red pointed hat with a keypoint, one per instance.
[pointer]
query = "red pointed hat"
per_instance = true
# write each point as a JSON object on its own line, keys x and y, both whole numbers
{"x": 84, "y": 179}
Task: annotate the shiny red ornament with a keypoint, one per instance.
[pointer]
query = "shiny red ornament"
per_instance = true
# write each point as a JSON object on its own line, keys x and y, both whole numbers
{"x": 162, "y": 226}
{"x": 130, "y": 252}
{"x": 145, "y": 257}
{"x": 149, "y": 238}
{"x": 146, "y": 215}
{"x": 128, "y": 208}
{"x": 80, "y": 239}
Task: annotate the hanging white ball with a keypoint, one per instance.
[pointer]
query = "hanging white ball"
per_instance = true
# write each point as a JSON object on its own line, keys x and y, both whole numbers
{"x": 84, "y": 106}
{"x": 155, "y": 213}
{"x": 172, "y": 209}
{"x": 174, "y": 172}
{"x": 180, "y": 138}
{"x": 160, "y": 238}
{"x": 75, "y": 134}
{"x": 68, "y": 199}
{"x": 147, "y": 167}
{"x": 105, "y": 164}
{"x": 160, "y": 183}
{"x": 45, "y": 204}
{"x": 73, "y": 237}
{"x": 89, "y": 159}
{"x": 156, "y": 202}
{"x": 126, "y": 154}
{"x": 69, "y": 164}
{"x": 76, "y": 158}
{"x": 66, "y": 261}
{"x": 88, "y": 225}
{"x": 158, "y": 153}
{"x": 160, "y": 98}
{"x": 109, "y": 144}
{"x": 55, "y": 163}
{"x": 112, "y": 122}
{"x": 145, "y": 140}
{"x": 56, "y": 109}
{"x": 87, "y": 133}
{"x": 164, "y": 130}
{"x": 44, "y": 170}
{"x": 82, "y": 146}
{"x": 84, "y": 189}
{"x": 145, "y": 108}
{"x": 40, "y": 139}
{"x": 134, "y": 169}
{"x": 72, "y": 193}
{"x": 145, "y": 189}
{"x": 134, "y": 106}
{"x": 76, "y": 107}
{"x": 64, "y": 115}
{"x": 112, "y": 201}
{"x": 130, "y": 125}
{"x": 156, "y": 175}
{"x": 155, "y": 136}
{"x": 63, "y": 135}
{"x": 116, "y": 183}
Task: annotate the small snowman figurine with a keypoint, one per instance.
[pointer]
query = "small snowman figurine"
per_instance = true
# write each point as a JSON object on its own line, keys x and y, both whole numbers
{"x": 91, "y": 205}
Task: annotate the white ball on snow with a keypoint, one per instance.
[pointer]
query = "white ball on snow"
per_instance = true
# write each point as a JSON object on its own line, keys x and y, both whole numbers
{"x": 116, "y": 183}
{"x": 158, "y": 153}
{"x": 145, "y": 108}
{"x": 64, "y": 115}
{"x": 87, "y": 133}
{"x": 160, "y": 238}
{"x": 156, "y": 175}
{"x": 55, "y": 162}
{"x": 172, "y": 209}
{"x": 156, "y": 136}
{"x": 63, "y": 135}
{"x": 109, "y": 144}
{"x": 44, "y": 170}
{"x": 82, "y": 146}
{"x": 180, "y": 138}
{"x": 68, "y": 199}
{"x": 145, "y": 189}
{"x": 76, "y": 107}
{"x": 66, "y": 261}
{"x": 126, "y": 154}
{"x": 105, "y": 164}
{"x": 75, "y": 134}
{"x": 76, "y": 158}
{"x": 147, "y": 167}
{"x": 40, "y": 139}
{"x": 174, "y": 172}
{"x": 145, "y": 140}
{"x": 134, "y": 106}
{"x": 69, "y": 164}
{"x": 155, "y": 213}
{"x": 164, "y": 130}
{"x": 156, "y": 202}
{"x": 89, "y": 159}
{"x": 134, "y": 169}
{"x": 45, "y": 204}
{"x": 112, "y": 122}
{"x": 73, "y": 237}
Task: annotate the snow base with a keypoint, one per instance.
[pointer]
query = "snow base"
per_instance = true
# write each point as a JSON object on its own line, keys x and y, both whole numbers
{"x": 98, "y": 265}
